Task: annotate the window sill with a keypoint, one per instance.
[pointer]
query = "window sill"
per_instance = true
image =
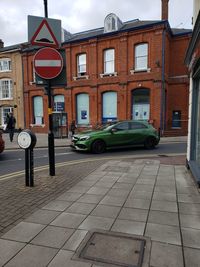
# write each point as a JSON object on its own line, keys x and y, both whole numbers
{"x": 83, "y": 77}
{"x": 102, "y": 75}
{"x": 5, "y": 71}
{"x": 139, "y": 71}
{"x": 31, "y": 83}
{"x": 37, "y": 125}
{"x": 6, "y": 98}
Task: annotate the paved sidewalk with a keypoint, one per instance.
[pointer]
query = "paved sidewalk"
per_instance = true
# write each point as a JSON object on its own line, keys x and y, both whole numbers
{"x": 42, "y": 141}
{"x": 143, "y": 197}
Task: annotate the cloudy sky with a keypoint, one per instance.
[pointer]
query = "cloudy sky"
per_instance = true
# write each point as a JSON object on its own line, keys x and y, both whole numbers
{"x": 81, "y": 15}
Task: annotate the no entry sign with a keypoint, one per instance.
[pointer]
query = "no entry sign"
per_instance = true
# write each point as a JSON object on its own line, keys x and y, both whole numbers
{"x": 48, "y": 63}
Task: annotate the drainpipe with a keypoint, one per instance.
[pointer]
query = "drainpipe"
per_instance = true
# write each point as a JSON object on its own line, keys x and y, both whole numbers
{"x": 162, "y": 99}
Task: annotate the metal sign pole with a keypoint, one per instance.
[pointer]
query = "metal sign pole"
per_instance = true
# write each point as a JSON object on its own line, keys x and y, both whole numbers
{"x": 51, "y": 147}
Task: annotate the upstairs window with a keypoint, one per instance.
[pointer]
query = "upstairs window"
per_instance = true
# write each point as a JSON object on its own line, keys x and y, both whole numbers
{"x": 109, "y": 61}
{"x": 6, "y": 89}
{"x": 141, "y": 57}
{"x": 5, "y": 64}
{"x": 81, "y": 64}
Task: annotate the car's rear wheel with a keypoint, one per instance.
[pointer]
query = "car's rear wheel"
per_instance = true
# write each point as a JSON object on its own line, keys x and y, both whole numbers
{"x": 150, "y": 143}
{"x": 98, "y": 146}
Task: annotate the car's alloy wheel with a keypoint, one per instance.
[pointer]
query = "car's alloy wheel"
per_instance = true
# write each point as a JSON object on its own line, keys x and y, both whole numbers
{"x": 98, "y": 147}
{"x": 150, "y": 143}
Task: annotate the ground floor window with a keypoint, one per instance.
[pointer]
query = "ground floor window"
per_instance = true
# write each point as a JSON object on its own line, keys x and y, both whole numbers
{"x": 82, "y": 109}
{"x": 59, "y": 103}
{"x": 197, "y": 154}
{"x": 140, "y": 104}
{"x": 109, "y": 106}
{"x": 4, "y": 113}
{"x": 176, "y": 119}
{"x": 38, "y": 110}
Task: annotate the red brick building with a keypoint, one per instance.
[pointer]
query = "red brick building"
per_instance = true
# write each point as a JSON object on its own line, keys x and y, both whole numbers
{"x": 124, "y": 70}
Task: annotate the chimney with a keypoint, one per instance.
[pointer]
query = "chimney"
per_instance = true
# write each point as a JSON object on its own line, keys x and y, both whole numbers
{"x": 164, "y": 9}
{"x": 1, "y": 44}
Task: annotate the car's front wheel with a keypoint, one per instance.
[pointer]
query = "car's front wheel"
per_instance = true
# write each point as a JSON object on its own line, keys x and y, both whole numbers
{"x": 150, "y": 143}
{"x": 98, "y": 146}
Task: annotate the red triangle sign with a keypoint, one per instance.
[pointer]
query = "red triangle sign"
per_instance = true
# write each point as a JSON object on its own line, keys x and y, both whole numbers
{"x": 44, "y": 36}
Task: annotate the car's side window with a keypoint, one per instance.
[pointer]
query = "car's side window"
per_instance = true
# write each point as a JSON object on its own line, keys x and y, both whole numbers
{"x": 137, "y": 125}
{"x": 122, "y": 126}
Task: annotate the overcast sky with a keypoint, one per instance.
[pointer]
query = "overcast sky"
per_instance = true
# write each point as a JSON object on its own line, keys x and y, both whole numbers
{"x": 81, "y": 15}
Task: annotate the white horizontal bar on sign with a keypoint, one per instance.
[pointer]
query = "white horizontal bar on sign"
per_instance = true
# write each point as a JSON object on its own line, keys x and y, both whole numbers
{"x": 47, "y": 63}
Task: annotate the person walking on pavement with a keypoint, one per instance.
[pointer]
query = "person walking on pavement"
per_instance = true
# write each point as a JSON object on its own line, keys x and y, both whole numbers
{"x": 11, "y": 121}
{"x": 73, "y": 127}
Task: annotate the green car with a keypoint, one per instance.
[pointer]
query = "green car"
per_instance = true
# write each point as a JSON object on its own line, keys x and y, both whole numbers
{"x": 120, "y": 134}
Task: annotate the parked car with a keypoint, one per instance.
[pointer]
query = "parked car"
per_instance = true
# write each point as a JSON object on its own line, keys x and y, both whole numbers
{"x": 120, "y": 134}
{"x": 2, "y": 143}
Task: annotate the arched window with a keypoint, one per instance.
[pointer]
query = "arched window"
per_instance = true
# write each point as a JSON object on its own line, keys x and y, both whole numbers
{"x": 109, "y": 106}
{"x": 6, "y": 89}
{"x": 59, "y": 103}
{"x": 141, "y": 57}
{"x": 140, "y": 104}
{"x": 38, "y": 110}
{"x": 82, "y": 109}
{"x": 109, "y": 61}
{"x": 112, "y": 23}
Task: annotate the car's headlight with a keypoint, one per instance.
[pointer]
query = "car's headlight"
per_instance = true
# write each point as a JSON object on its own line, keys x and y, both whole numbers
{"x": 84, "y": 138}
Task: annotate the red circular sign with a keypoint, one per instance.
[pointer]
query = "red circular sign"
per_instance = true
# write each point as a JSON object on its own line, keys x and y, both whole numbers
{"x": 48, "y": 63}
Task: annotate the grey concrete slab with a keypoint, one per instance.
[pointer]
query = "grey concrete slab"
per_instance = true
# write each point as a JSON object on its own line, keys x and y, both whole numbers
{"x": 118, "y": 192}
{"x": 145, "y": 181}
{"x": 191, "y": 237}
{"x": 129, "y": 227}
{"x": 133, "y": 214}
{"x": 89, "y": 198}
{"x": 192, "y": 257}
{"x": 189, "y": 208}
{"x": 121, "y": 185}
{"x": 161, "y": 217}
{"x": 188, "y": 198}
{"x": 69, "y": 220}
{"x": 143, "y": 187}
{"x": 24, "y": 231}
{"x": 86, "y": 183}
{"x": 63, "y": 259}
{"x": 42, "y": 216}
{"x": 140, "y": 194}
{"x": 137, "y": 203}
{"x": 187, "y": 190}
{"x": 162, "y": 196}
{"x": 57, "y": 205}
{"x": 165, "y": 188}
{"x": 169, "y": 206}
{"x": 113, "y": 201}
{"x": 166, "y": 255}
{"x": 79, "y": 189}
{"x": 190, "y": 221}
{"x": 106, "y": 211}
{"x": 127, "y": 180}
{"x": 74, "y": 241}
{"x": 82, "y": 208}
{"x": 94, "y": 222}
{"x": 8, "y": 249}
{"x": 105, "y": 184}
{"x": 69, "y": 196}
{"x": 33, "y": 256}
{"x": 52, "y": 236}
{"x": 165, "y": 182}
{"x": 94, "y": 190}
{"x": 163, "y": 233}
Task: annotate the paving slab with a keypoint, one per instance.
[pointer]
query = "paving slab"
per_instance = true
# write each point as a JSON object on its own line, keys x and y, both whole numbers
{"x": 74, "y": 241}
{"x": 92, "y": 222}
{"x": 69, "y": 220}
{"x": 192, "y": 257}
{"x": 129, "y": 227}
{"x": 42, "y": 216}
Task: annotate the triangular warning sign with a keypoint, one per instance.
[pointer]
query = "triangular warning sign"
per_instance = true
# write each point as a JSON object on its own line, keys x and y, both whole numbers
{"x": 44, "y": 36}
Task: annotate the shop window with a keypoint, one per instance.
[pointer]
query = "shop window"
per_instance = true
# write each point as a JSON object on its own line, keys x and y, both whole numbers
{"x": 38, "y": 110}
{"x": 141, "y": 104}
{"x": 59, "y": 103}
{"x": 6, "y": 89}
{"x": 5, "y": 64}
{"x": 82, "y": 109}
{"x": 4, "y": 113}
{"x": 141, "y": 57}
{"x": 109, "y": 106}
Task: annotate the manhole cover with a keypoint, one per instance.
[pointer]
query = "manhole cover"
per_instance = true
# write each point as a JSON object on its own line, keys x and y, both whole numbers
{"x": 113, "y": 249}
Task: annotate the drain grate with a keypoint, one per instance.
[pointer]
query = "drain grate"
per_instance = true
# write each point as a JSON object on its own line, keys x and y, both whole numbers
{"x": 113, "y": 249}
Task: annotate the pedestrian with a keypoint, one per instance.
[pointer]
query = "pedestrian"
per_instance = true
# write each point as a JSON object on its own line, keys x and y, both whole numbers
{"x": 11, "y": 121}
{"x": 73, "y": 127}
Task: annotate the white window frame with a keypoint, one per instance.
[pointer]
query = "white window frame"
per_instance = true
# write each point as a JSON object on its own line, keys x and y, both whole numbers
{"x": 81, "y": 64}
{"x": 38, "y": 116}
{"x": 6, "y": 89}
{"x": 141, "y": 56}
{"x": 5, "y": 64}
{"x": 109, "y": 59}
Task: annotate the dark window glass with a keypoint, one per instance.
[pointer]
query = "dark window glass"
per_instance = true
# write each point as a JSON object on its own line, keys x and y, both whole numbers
{"x": 122, "y": 126}
{"x": 137, "y": 125}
